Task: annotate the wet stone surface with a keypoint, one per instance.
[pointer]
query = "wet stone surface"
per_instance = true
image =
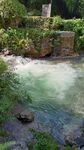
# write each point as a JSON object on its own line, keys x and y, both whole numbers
{"x": 25, "y": 117}
{"x": 80, "y": 141}
{"x": 21, "y": 132}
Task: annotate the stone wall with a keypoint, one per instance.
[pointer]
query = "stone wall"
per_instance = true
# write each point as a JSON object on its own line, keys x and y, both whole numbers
{"x": 45, "y": 49}
{"x": 65, "y": 45}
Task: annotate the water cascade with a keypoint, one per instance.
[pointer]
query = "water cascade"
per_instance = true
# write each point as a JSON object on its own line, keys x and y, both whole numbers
{"x": 56, "y": 90}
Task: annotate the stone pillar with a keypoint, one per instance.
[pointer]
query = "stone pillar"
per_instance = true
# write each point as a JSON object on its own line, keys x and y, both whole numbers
{"x": 46, "y": 10}
{"x": 65, "y": 46}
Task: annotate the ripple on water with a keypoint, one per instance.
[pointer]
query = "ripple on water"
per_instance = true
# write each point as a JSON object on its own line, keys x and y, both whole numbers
{"x": 56, "y": 89}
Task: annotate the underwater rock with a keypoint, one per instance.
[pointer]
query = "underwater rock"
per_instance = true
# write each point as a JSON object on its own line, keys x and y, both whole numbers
{"x": 25, "y": 116}
{"x": 80, "y": 141}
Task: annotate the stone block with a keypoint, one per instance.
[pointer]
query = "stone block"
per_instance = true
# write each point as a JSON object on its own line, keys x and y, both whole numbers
{"x": 65, "y": 47}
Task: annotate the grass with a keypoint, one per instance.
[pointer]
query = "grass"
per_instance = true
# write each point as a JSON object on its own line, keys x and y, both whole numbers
{"x": 67, "y": 148}
{"x": 6, "y": 145}
{"x": 44, "y": 141}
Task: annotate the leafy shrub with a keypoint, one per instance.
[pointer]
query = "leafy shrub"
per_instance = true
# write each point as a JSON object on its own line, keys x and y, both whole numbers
{"x": 36, "y": 22}
{"x": 76, "y": 25}
{"x": 9, "y": 85}
{"x": 56, "y": 23}
{"x": 6, "y": 145}
{"x": 37, "y": 28}
{"x": 81, "y": 8}
{"x": 3, "y": 66}
{"x": 3, "y": 38}
{"x": 17, "y": 40}
{"x": 42, "y": 22}
{"x": 68, "y": 148}
{"x": 44, "y": 141}
{"x": 11, "y": 10}
{"x": 81, "y": 42}
{"x": 7, "y": 90}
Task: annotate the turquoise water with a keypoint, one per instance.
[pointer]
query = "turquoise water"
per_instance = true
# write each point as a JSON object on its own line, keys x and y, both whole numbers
{"x": 56, "y": 90}
{"x": 53, "y": 85}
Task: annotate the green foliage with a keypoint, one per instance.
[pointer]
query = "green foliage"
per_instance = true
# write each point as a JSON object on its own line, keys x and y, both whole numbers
{"x": 56, "y": 23}
{"x": 3, "y": 66}
{"x": 7, "y": 92}
{"x": 9, "y": 85}
{"x": 6, "y": 145}
{"x": 81, "y": 42}
{"x": 11, "y": 8}
{"x": 36, "y": 29}
{"x": 44, "y": 141}
{"x": 81, "y": 8}
{"x": 3, "y": 38}
{"x": 19, "y": 39}
{"x": 36, "y": 22}
{"x": 70, "y": 4}
{"x": 7, "y": 97}
{"x": 11, "y": 11}
{"x": 35, "y": 4}
{"x": 75, "y": 7}
{"x": 76, "y": 25}
{"x": 43, "y": 22}
{"x": 68, "y": 148}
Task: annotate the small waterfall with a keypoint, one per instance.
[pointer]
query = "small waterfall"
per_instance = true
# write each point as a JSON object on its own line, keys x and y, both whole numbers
{"x": 56, "y": 90}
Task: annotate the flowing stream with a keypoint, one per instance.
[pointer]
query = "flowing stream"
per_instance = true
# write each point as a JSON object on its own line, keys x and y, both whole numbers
{"x": 56, "y": 90}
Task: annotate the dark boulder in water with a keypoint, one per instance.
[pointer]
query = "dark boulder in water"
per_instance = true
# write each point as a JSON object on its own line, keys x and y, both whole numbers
{"x": 25, "y": 116}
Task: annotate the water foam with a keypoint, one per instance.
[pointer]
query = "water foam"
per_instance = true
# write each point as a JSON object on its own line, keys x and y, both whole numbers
{"x": 49, "y": 81}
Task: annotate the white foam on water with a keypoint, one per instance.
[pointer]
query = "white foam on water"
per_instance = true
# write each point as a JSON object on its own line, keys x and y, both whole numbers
{"x": 56, "y": 89}
{"x": 56, "y": 79}
{"x": 48, "y": 82}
